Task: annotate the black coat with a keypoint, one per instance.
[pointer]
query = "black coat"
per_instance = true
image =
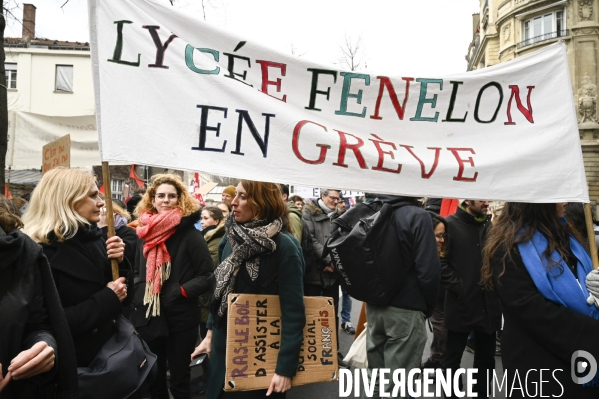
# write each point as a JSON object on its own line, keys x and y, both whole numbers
{"x": 30, "y": 312}
{"x": 81, "y": 270}
{"x": 191, "y": 267}
{"x": 540, "y": 334}
{"x": 419, "y": 256}
{"x": 319, "y": 226}
{"x": 468, "y": 306}
{"x": 129, "y": 237}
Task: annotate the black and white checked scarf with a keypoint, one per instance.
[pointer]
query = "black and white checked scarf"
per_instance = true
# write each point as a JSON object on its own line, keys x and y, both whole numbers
{"x": 248, "y": 241}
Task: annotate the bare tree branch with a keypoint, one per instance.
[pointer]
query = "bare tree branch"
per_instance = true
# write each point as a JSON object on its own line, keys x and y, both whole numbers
{"x": 352, "y": 53}
{"x": 294, "y": 50}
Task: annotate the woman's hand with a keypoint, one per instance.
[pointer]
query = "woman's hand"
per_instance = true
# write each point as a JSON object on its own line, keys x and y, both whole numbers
{"x": 37, "y": 360}
{"x": 4, "y": 380}
{"x": 592, "y": 283}
{"x": 103, "y": 222}
{"x": 115, "y": 248}
{"x": 279, "y": 384}
{"x": 204, "y": 347}
{"x": 119, "y": 287}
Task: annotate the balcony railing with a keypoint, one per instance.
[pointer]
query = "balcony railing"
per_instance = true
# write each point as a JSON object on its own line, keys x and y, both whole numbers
{"x": 542, "y": 38}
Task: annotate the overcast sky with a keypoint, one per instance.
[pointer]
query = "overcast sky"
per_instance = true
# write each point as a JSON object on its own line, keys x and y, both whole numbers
{"x": 401, "y": 37}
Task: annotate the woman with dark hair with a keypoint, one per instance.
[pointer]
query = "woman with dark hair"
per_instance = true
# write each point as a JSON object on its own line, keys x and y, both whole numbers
{"x": 435, "y": 359}
{"x": 213, "y": 229}
{"x": 225, "y": 208}
{"x": 172, "y": 268}
{"x": 33, "y": 326}
{"x": 256, "y": 258}
{"x": 538, "y": 266}
{"x": 575, "y": 215}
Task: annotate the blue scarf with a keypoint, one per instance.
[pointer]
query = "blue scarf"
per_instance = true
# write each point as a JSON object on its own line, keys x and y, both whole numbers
{"x": 558, "y": 284}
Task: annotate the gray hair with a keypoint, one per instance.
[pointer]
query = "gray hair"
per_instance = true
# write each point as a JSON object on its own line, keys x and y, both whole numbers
{"x": 325, "y": 191}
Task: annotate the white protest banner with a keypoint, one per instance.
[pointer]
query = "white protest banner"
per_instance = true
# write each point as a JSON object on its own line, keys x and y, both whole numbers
{"x": 29, "y": 133}
{"x": 176, "y": 92}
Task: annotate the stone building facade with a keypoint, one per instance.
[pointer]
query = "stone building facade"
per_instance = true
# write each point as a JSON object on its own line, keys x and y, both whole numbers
{"x": 506, "y": 29}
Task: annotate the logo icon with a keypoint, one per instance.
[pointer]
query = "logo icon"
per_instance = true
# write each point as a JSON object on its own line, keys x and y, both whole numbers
{"x": 583, "y": 367}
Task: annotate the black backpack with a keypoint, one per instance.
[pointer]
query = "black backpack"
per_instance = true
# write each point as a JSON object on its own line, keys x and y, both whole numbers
{"x": 364, "y": 248}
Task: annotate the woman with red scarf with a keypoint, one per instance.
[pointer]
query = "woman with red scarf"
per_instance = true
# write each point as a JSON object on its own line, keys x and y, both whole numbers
{"x": 172, "y": 269}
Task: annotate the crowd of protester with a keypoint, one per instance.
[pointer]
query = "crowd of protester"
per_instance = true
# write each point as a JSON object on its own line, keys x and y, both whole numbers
{"x": 526, "y": 273}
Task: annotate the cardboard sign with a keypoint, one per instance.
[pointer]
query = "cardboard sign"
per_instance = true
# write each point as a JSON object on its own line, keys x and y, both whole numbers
{"x": 254, "y": 337}
{"x": 206, "y": 188}
{"x": 57, "y": 153}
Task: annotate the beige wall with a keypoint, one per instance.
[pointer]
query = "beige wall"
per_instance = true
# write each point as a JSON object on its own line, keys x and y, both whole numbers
{"x": 36, "y": 71}
{"x": 500, "y": 44}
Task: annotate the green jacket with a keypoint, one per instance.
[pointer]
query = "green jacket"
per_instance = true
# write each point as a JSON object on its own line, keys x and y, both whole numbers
{"x": 287, "y": 261}
{"x": 212, "y": 238}
{"x": 295, "y": 220}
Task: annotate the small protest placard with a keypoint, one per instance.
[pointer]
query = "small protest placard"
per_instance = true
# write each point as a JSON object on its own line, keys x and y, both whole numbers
{"x": 254, "y": 337}
{"x": 57, "y": 153}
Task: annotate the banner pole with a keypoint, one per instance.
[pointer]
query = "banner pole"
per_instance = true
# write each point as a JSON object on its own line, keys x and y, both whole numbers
{"x": 8, "y": 183}
{"x": 588, "y": 216}
{"x": 109, "y": 215}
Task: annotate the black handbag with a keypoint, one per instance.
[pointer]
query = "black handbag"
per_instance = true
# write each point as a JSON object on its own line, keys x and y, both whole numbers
{"x": 121, "y": 366}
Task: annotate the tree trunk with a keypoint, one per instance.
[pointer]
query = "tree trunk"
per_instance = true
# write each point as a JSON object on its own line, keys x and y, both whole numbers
{"x": 3, "y": 107}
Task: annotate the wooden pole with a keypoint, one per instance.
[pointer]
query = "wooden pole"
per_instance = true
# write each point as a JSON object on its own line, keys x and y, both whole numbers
{"x": 109, "y": 215}
{"x": 8, "y": 182}
{"x": 588, "y": 215}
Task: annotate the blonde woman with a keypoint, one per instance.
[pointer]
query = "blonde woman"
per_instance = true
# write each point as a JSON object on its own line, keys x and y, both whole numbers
{"x": 173, "y": 266}
{"x": 62, "y": 217}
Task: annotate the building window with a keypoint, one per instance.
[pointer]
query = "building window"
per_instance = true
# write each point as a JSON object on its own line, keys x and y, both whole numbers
{"x": 544, "y": 27}
{"x": 64, "y": 78}
{"x": 116, "y": 187}
{"x": 11, "y": 75}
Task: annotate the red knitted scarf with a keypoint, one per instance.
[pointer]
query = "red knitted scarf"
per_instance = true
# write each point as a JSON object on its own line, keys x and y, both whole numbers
{"x": 155, "y": 229}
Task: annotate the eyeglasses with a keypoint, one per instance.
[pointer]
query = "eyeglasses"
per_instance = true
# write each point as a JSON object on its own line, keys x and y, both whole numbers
{"x": 441, "y": 236}
{"x": 163, "y": 195}
{"x": 336, "y": 199}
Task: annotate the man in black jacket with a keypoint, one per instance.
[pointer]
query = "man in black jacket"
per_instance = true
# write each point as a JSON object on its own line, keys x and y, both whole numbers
{"x": 320, "y": 280}
{"x": 396, "y": 333}
{"x": 468, "y": 306}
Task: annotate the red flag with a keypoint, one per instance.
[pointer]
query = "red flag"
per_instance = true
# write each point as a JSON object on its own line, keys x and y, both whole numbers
{"x": 196, "y": 187}
{"x": 7, "y": 193}
{"x": 133, "y": 175}
{"x": 101, "y": 189}
{"x": 449, "y": 206}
